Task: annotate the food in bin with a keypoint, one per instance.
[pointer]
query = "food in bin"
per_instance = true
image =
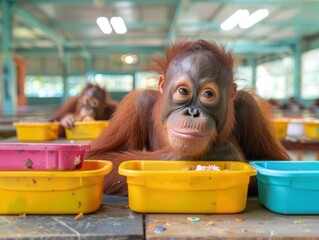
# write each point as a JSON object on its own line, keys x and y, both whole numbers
{"x": 163, "y": 186}
{"x": 87, "y": 119}
{"x": 203, "y": 168}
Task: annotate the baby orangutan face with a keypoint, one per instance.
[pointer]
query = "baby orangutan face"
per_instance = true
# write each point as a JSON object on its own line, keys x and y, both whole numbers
{"x": 92, "y": 104}
{"x": 89, "y": 107}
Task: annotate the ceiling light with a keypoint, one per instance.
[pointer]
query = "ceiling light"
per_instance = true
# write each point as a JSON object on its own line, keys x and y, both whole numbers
{"x": 118, "y": 25}
{"x": 104, "y": 24}
{"x": 254, "y": 18}
{"x": 129, "y": 59}
{"x": 234, "y": 19}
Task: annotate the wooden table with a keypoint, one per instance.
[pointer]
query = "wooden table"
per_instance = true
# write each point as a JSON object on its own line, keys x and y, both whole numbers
{"x": 113, "y": 220}
{"x": 255, "y": 222}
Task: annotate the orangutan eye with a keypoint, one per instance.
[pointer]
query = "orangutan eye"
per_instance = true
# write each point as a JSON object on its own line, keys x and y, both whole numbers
{"x": 182, "y": 94}
{"x": 94, "y": 103}
{"x": 209, "y": 94}
{"x": 183, "y": 91}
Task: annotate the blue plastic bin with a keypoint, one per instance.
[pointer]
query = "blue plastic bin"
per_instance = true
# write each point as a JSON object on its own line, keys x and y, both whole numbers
{"x": 288, "y": 187}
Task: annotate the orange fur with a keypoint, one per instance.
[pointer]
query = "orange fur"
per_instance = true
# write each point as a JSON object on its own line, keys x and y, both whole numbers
{"x": 73, "y": 106}
{"x": 137, "y": 129}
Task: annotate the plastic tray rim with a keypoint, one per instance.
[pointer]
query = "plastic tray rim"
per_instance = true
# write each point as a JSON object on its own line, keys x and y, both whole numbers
{"x": 105, "y": 169}
{"x": 281, "y": 173}
{"x": 43, "y": 146}
{"x": 127, "y": 172}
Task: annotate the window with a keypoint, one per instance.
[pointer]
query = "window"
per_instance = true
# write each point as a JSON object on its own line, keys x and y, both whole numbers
{"x": 115, "y": 83}
{"x": 146, "y": 80}
{"x": 43, "y": 86}
{"x": 76, "y": 84}
{"x": 275, "y": 79}
{"x": 243, "y": 77}
{"x": 310, "y": 75}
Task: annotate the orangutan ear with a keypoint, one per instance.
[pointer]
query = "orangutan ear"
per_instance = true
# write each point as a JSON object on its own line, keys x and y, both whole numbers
{"x": 160, "y": 84}
{"x": 233, "y": 91}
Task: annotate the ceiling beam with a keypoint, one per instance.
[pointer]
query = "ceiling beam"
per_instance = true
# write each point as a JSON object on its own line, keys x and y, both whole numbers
{"x": 251, "y": 48}
{"x": 129, "y": 25}
{"x": 293, "y": 24}
{"x": 171, "y": 35}
{"x": 116, "y": 40}
{"x": 33, "y": 22}
{"x": 104, "y": 39}
{"x": 195, "y": 25}
{"x": 278, "y": 3}
{"x": 295, "y": 3}
{"x": 236, "y": 48}
{"x": 109, "y": 48}
{"x": 91, "y": 2}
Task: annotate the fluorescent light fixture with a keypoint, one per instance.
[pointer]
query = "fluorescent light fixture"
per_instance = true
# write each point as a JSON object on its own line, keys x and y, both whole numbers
{"x": 118, "y": 25}
{"x": 254, "y": 18}
{"x": 234, "y": 19}
{"x": 104, "y": 24}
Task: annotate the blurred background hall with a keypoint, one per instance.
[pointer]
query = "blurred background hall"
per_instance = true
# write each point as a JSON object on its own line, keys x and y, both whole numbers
{"x": 51, "y": 49}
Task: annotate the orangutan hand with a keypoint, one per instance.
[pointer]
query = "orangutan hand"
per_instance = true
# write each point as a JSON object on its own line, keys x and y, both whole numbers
{"x": 68, "y": 121}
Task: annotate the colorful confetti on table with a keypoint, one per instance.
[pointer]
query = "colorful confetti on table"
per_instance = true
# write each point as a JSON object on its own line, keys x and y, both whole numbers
{"x": 159, "y": 229}
{"x": 193, "y": 219}
{"x": 298, "y": 221}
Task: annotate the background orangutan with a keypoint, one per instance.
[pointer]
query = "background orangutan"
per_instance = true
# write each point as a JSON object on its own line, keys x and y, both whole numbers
{"x": 196, "y": 114}
{"x": 93, "y": 103}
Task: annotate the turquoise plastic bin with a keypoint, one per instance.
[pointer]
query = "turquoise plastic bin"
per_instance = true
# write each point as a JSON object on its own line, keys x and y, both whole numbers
{"x": 288, "y": 187}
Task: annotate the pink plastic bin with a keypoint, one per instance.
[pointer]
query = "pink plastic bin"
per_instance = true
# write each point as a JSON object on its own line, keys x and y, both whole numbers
{"x": 46, "y": 156}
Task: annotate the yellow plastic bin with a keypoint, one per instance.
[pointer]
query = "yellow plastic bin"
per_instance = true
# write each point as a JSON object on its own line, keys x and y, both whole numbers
{"x": 37, "y": 131}
{"x": 312, "y": 128}
{"x": 166, "y": 187}
{"x": 281, "y": 125}
{"x": 86, "y": 130}
{"x": 54, "y": 192}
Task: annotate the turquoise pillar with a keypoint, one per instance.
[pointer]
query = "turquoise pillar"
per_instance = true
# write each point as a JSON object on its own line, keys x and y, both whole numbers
{"x": 297, "y": 70}
{"x": 9, "y": 92}
{"x": 8, "y": 75}
{"x": 89, "y": 68}
{"x": 65, "y": 71}
{"x": 252, "y": 64}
